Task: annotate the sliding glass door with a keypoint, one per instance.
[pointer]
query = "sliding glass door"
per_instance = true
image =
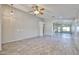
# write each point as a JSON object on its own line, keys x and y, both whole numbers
{"x": 62, "y": 28}
{"x": 66, "y": 29}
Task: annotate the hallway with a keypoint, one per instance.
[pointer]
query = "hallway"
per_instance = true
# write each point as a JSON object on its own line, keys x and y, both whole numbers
{"x": 58, "y": 44}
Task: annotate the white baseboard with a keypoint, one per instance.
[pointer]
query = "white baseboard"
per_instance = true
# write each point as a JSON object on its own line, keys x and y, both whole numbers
{"x": 20, "y": 39}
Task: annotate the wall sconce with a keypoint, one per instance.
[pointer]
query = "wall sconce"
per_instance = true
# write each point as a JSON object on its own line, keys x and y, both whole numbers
{"x": 11, "y": 12}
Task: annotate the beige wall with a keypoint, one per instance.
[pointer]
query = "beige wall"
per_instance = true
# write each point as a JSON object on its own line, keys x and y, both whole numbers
{"x": 18, "y": 26}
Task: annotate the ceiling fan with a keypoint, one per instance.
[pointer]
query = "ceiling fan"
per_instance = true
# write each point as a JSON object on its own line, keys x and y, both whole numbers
{"x": 37, "y": 10}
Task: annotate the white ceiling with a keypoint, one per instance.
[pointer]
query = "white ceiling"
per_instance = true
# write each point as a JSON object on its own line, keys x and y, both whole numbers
{"x": 66, "y": 11}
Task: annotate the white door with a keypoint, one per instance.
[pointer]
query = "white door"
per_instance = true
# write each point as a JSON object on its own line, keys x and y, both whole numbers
{"x": 41, "y": 24}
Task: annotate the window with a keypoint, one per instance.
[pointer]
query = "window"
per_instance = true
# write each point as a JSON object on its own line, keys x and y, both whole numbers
{"x": 66, "y": 29}
{"x": 77, "y": 28}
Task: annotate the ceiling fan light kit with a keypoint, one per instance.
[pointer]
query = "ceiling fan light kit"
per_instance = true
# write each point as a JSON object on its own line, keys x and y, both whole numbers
{"x": 36, "y": 12}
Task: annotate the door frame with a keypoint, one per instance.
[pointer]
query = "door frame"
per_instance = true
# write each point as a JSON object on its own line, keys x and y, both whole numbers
{"x": 0, "y": 36}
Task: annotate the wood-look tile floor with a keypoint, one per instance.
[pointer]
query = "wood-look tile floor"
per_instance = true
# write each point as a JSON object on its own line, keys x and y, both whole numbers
{"x": 47, "y": 45}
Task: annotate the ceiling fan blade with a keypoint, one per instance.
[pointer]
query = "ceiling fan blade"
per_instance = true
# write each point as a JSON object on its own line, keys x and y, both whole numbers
{"x": 42, "y": 9}
{"x": 41, "y": 13}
